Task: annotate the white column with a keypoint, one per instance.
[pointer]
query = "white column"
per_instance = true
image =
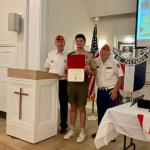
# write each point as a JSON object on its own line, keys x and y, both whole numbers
{"x": 44, "y": 46}
{"x": 36, "y": 33}
{"x": 22, "y": 37}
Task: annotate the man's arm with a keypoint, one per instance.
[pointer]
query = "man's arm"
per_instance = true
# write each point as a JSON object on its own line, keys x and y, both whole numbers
{"x": 93, "y": 72}
{"x": 92, "y": 65}
{"x": 119, "y": 82}
{"x": 46, "y": 64}
{"x": 114, "y": 91}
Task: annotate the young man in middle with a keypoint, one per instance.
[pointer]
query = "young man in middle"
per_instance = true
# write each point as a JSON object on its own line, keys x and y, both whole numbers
{"x": 78, "y": 91}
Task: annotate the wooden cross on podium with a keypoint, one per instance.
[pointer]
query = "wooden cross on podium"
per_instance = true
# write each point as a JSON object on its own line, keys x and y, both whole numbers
{"x": 20, "y": 101}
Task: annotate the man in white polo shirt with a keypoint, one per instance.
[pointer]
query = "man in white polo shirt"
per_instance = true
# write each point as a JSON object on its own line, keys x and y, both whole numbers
{"x": 108, "y": 79}
{"x": 55, "y": 63}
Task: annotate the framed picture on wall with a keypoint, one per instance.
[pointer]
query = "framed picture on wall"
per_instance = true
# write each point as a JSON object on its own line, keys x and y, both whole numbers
{"x": 124, "y": 46}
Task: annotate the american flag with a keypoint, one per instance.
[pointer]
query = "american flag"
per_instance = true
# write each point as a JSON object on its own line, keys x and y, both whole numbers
{"x": 95, "y": 52}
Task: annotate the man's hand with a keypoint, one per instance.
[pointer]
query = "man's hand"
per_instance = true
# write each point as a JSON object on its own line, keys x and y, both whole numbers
{"x": 114, "y": 94}
{"x": 87, "y": 68}
{"x": 66, "y": 67}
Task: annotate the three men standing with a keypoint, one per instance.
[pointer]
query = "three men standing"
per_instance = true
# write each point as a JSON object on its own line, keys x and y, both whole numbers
{"x": 109, "y": 77}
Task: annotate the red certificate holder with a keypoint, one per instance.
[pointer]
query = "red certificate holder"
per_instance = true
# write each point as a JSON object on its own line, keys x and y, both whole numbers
{"x": 76, "y": 64}
{"x": 76, "y": 61}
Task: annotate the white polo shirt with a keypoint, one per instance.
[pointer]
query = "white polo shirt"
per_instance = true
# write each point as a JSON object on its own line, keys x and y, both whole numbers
{"x": 108, "y": 73}
{"x": 55, "y": 62}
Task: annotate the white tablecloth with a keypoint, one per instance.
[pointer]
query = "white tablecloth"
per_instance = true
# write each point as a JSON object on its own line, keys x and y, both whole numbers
{"x": 121, "y": 120}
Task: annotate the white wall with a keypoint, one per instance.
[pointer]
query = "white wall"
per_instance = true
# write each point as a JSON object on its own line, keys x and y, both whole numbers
{"x": 13, "y": 6}
{"x": 70, "y": 17}
{"x": 7, "y": 6}
{"x": 63, "y": 17}
{"x": 111, "y": 26}
{"x": 67, "y": 17}
{"x": 109, "y": 7}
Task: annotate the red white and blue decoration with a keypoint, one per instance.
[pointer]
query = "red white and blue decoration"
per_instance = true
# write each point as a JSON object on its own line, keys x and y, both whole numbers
{"x": 134, "y": 70}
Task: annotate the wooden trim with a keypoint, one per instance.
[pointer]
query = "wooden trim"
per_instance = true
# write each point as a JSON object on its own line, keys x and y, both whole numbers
{"x": 147, "y": 82}
{"x": 7, "y": 44}
{"x": 30, "y": 74}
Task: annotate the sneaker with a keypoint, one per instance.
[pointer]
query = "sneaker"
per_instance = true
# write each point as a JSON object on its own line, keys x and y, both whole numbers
{"x": 114, "y": 140}
{"x": 93, "y": 135}
{"x": 69, "y": 135}
{"x": 81, "y": 137}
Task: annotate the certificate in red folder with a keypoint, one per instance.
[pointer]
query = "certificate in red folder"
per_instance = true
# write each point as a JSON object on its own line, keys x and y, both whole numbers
{"x": 76, "y": 65}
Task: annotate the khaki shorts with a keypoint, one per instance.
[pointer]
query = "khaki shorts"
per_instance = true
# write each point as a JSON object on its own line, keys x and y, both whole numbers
{"x": 77, "y": 93}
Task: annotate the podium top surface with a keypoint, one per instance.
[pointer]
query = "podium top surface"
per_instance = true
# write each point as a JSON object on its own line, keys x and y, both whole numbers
{"x": 30, "y": 74}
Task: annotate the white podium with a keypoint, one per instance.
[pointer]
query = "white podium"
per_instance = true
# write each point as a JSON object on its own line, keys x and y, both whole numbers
{"x": 32, "y": 109}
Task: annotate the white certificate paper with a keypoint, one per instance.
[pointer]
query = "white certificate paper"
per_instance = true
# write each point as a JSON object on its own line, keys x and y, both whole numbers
{"x": 76, "y": 75}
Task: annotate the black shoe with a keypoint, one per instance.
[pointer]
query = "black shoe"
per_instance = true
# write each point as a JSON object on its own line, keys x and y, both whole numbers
{"x": 63, "y": 130}
{"x": 93, "y": 135}
{"x": 114, "y": 140}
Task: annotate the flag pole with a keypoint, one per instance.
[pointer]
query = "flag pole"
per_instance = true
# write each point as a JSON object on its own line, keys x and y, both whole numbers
{"x": 96, "y": 20}
{"x": 93, "y": 118}
{"x": 93, "y": 106}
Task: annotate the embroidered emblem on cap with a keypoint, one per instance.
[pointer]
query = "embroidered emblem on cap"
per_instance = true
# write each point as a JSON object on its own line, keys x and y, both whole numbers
{"x": 106, "y": 47}
{"x": 59, "y": 38}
